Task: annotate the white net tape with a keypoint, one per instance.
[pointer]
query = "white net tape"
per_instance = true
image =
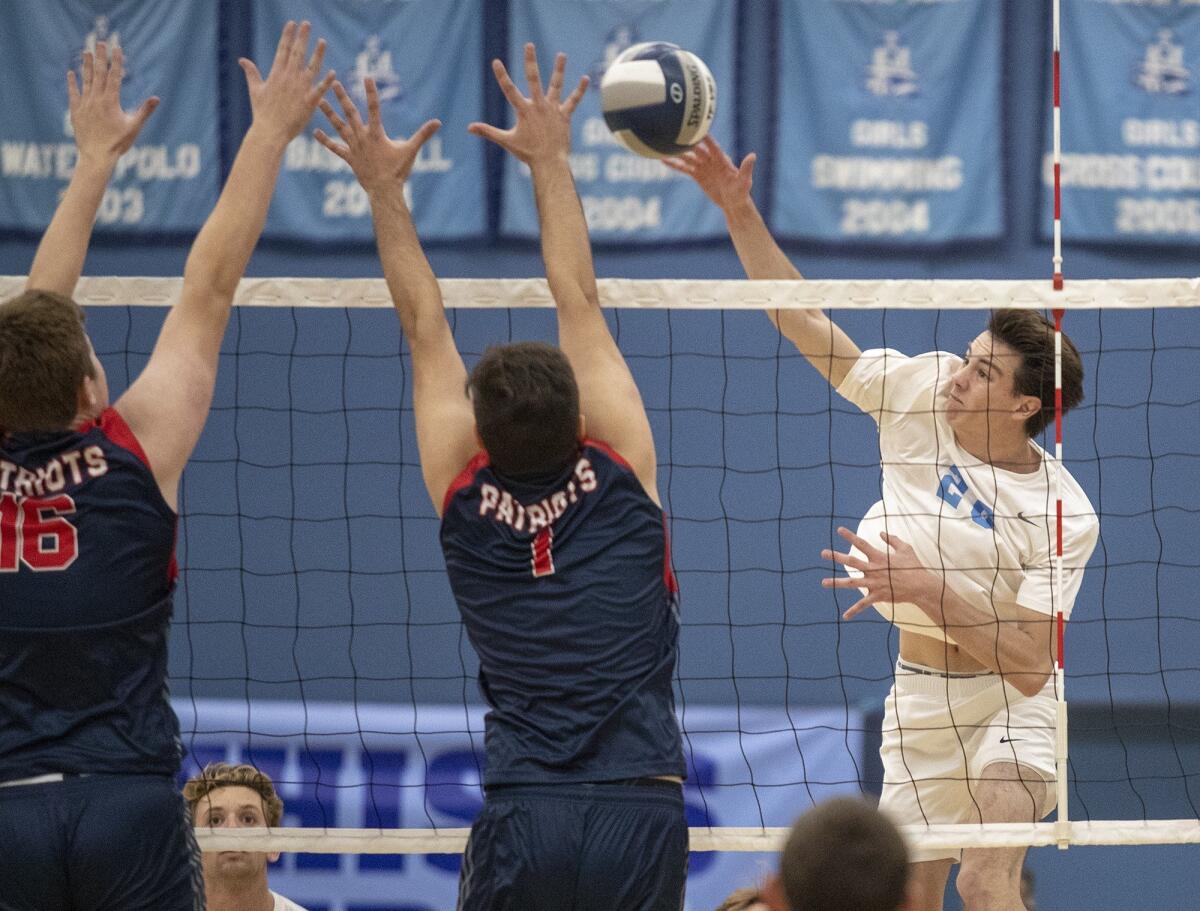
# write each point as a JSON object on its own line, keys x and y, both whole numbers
{"x": 663, "y": 293}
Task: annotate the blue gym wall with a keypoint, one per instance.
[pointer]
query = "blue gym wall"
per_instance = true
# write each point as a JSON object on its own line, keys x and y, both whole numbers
{"x": 748, "y": 435}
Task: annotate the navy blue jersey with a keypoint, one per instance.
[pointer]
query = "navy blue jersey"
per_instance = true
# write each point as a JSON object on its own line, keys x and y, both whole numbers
{"x": 566, "y": 591}
{"x": 86, "y": 573}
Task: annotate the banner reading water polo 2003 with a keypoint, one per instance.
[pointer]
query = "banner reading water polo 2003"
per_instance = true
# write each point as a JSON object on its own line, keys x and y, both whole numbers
{"x": 426, "y": 59}
{"x": 889, "y": 121}
{"x": 1130, "y": 123}
{"x": 168, "y": 180}
{"x": 626, "y": 198}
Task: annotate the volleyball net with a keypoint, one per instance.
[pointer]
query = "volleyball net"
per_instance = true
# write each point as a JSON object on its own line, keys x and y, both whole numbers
{"x": 315, "y": 634}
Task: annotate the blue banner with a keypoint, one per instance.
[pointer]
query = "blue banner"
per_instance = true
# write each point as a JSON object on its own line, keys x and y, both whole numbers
{"x": 889, "y": 121}
{"x": 1130, "y": 123}
{"x": 626, "y": 198}
{"x": 168, "y": 181}
{"x": 426, "y": 57}
{"x": 417, "y": 767}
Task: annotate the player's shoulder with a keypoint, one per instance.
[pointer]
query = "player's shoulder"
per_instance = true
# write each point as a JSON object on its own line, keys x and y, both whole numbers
{"x": 285, "y": 904}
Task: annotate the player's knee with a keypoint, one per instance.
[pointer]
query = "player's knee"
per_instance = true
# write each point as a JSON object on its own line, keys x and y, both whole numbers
{"x": 982, "y": 882}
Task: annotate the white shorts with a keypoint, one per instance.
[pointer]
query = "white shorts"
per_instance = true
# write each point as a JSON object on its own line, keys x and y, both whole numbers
{"x": 940, "y": 732}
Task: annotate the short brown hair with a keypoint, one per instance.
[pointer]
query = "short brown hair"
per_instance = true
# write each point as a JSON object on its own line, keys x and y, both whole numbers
{"x": 44, "y": 358}
{"x": 217, "y": 775}
{"x": 1032, "y": 336}
{"x": 526, "y": 406}
{"x": 844, "y": 855}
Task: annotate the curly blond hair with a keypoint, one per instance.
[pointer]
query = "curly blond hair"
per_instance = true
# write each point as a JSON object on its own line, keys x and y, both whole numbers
{"x": 217, "y": 775}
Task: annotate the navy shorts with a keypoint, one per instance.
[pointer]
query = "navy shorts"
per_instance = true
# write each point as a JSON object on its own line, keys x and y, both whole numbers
{"x": 98, "y": 842}
{"x": 577, "y": 847}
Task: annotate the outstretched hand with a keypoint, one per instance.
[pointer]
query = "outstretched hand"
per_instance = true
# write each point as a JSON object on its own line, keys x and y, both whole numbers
{"x": 285, "y": 101}
{"x": 377, "y": 161}
{"x": 894, "y": 575}
{"x": 543, "y": 127}
{"x": 725, "y": 183}
{"x": 102, "y": 129}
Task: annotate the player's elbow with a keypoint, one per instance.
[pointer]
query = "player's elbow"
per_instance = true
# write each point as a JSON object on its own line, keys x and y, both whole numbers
{"x": 1031, "y": 682}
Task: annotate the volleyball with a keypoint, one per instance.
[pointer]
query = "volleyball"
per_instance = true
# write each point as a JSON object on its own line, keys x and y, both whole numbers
{"x": 658, "y": 99}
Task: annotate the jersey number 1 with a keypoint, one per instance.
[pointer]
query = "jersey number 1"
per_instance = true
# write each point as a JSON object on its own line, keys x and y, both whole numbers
{"x": 543, "y": 558}
{"x": 34, "y": 532}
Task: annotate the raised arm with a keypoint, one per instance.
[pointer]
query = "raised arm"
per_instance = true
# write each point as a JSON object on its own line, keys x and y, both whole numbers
{"x": 817, "y": 337}
{"x": 167, "y": 405}
{"x": 103, "y": 132}
{"x": 445, "y": 421}
{"x": 541, "y": 138}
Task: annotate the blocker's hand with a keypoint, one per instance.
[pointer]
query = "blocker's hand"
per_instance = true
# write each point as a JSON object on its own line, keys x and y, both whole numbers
{"x": 103, "y": 131}
{"x": 723, "y": 182}
{"x": 284, "y": 102}
{"x": 543, "y": 127}
{"x": 894, "y": 575}
{"x": 378, "y": 162}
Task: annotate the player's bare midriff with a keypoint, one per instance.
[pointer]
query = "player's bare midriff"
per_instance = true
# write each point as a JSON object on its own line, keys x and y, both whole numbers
{"x": 936, "y": 654}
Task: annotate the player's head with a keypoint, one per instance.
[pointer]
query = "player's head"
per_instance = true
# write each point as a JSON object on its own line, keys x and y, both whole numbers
{"x": 1007, "y": 378}
{"x": 49, "y": 374}
{"x": 842, "y": 855}
{"x": 526, "y": 406}
{"x": 233, "y": 796}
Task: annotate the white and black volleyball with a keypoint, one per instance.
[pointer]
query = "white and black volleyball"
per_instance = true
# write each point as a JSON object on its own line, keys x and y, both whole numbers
{"x": 658, "y": 99}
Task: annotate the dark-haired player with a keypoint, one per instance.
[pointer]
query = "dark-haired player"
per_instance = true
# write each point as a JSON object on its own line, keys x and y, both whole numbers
{"x": 959, "y": 553}
{"x": 544, "y": 475}
{"x": 89, "y": 746}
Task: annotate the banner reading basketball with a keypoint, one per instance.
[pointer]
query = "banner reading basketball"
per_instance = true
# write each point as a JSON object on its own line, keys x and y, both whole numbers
{"x": 1130, "y": 123}
{"x": 625, "y": 197}
{"x": 168, "y": 180}
{"x": 889, "y": 121}
{"x": 402, "y": 45}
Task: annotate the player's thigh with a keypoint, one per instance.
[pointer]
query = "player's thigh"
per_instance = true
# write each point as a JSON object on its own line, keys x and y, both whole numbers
{"x": 33, "y": 870}
{"x": 635, "y": 851}
{"x": 132, "y": 846}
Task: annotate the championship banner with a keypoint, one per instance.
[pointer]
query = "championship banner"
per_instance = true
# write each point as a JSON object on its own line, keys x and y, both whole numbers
{"x": 168, "y": 181}
{"x": 347, "y": 766}
{"x": 1130, "y": 123}
{"x": 426, "y": 57}
{"x": 626, "y": 198}
{"x": 889, "y": 121}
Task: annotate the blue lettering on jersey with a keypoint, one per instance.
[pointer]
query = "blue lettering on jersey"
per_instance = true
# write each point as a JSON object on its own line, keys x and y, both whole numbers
{"x": 954, "y": 488}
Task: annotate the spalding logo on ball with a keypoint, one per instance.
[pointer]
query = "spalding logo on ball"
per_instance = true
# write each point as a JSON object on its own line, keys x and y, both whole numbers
{"x": 658, "y": 99}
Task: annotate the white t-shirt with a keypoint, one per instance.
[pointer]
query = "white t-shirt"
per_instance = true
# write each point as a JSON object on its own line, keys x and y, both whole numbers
{"x": 991, "y": 530}
{"x": 285, "y": 904}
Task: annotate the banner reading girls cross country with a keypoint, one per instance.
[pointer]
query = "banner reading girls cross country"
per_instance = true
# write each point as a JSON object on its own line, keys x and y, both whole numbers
{"x": 1130, "y": 122}
{"x": 169, "y": 180}
{"x": 889, "y": 121}
{"x": 426, "y": 57}
{"x": 626, "y": 198}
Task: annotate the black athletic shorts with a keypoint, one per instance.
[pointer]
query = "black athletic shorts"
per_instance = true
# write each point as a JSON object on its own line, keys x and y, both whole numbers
{"x": 577, "y": 847}
{"x": 98, "y": 841}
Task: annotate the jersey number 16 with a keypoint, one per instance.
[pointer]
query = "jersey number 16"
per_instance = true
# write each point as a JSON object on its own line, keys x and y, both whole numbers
{"x": 33, "y": 532}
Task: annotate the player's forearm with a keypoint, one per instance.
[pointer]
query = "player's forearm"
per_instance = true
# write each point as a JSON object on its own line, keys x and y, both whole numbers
{"x": 58, "y": 262}
{"x": 757, "y": 249}
{"x": 223, "y": 247}
{"x": 1023, "y": 659}
{"x": 410, "y": 279}
{"x": 566, "y": 249}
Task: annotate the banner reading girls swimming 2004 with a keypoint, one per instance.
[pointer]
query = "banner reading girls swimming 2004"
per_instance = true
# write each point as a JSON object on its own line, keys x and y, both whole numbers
{"x": 1130, "y": 122}
{"x": 626, "y": 198}
{"x": 889, "y": 121}
{"x": 426, "y": 57}
{"x": 168, "y": 180}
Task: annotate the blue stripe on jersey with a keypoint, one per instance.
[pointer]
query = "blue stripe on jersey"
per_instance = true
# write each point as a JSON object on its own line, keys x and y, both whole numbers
{"x": 567, "y": 595}
{"x": 86, "y": 575}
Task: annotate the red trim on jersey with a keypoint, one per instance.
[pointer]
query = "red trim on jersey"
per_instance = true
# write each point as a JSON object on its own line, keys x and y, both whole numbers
{"x": 464, "y": 477}
{"x": 669, "y": 579}
{"x": 610, "y": 452}
{"x": 113, "y": 426}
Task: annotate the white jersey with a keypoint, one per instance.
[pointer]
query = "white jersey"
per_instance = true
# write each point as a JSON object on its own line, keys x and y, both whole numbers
{"x": 992, "y": 531}
{"x": 285, "y": 904}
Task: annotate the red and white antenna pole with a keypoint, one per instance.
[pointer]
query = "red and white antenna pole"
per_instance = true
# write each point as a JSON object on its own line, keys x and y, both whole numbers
{"x": 1063, "y": 824}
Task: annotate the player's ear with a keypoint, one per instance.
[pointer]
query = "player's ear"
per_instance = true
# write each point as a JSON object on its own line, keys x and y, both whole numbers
{"x": 87, "y": 398}
{"x": 478, "y": 438}
{"x": 582, "y": 434}
{"x": 772, "y": 894}
{"x": 1027, "y": 407}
